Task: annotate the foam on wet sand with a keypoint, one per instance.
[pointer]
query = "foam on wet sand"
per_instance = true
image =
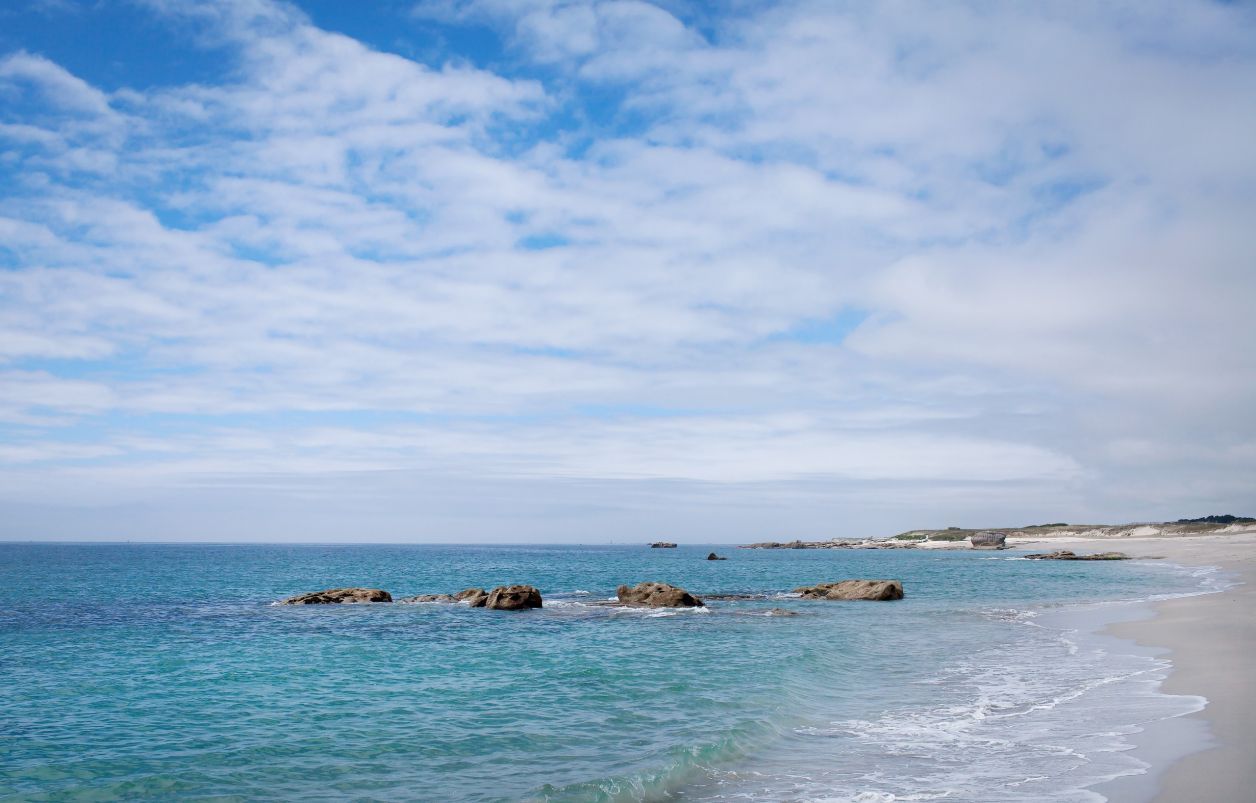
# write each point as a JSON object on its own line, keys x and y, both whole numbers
{"x": 1211, "y": 640}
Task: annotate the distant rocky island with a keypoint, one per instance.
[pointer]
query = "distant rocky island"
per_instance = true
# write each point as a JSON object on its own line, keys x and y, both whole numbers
{"x": 999, "y": 538}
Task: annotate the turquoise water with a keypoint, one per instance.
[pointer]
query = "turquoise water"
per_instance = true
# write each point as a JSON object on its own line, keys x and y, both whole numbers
{"x": 162, "y": 671}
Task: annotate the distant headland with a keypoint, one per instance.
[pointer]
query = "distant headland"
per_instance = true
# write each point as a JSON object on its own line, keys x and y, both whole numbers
{"x": 999, "y": 537}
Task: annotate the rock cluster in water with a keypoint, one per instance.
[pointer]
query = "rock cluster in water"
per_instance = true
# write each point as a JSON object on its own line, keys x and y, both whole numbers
{"x": 334, "y": 596}
{"x": 502, "y": 598}
{"x": 875, "y": 590}
{"x": 642, "y": 595}
{"x": 1064, "y": 554}
{"x": 714, "y": 556}
{"x": 656, "y": 595}
{"x": 662, "y": 545}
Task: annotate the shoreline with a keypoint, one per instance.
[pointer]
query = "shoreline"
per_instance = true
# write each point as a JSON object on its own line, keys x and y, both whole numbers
{"x": 1210, "y": 640}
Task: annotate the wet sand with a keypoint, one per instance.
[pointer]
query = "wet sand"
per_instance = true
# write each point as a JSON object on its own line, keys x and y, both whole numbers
{"x": 1212, "y": 643}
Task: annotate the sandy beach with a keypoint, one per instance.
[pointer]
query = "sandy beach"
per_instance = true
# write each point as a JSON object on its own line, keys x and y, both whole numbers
{"x": 1212, "y": 643}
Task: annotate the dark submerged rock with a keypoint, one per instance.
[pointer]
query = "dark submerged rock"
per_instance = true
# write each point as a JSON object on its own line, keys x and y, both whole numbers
{"x": 657, "y": 595}
{"x": 875, "y": 590}
{"x": 714, "y": 556}
{"x": 428, "y": 598}
{"x": 512, "y": 598}
{"x": 1064, "y": 554}
{"x": 336, "y": 596}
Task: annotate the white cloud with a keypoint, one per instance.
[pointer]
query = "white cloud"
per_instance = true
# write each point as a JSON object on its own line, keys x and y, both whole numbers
{"x": 1042, "y": 213}
{"x": 61, "y": 88}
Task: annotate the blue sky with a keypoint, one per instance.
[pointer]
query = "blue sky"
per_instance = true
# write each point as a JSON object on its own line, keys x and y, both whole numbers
{"x": 578, "y": 271}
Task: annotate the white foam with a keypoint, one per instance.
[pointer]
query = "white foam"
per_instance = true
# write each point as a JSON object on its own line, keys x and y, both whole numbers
{"x": 1044, "y": 717}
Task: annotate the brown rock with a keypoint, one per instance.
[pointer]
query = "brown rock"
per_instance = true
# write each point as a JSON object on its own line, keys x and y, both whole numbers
{"x": 512, "y": 598}
{"x": 334, "y": 596}
{"x": 876, "y": 590}
{"x": 657, "y": 595}
{"x": 475, "y": 597}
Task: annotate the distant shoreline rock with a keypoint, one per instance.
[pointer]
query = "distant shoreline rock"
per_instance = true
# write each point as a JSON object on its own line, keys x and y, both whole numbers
{"x": 988, "y": 540}
{"x": 662, "y": 545}
{"x": 833, "y": 544}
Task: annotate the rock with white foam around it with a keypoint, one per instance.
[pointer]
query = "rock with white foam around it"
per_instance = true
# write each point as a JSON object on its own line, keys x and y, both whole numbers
{"x": 657, "y": 595}
{"x": 513, "y": 598}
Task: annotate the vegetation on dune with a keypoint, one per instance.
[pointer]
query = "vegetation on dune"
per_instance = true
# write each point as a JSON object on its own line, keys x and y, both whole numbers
{"x": 1224, "y": 519}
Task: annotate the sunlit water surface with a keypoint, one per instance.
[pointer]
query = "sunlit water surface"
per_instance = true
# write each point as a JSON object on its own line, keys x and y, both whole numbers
{"x": 161, "y": 671}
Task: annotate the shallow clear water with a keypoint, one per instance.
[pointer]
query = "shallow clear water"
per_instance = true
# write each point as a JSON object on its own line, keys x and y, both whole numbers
{"x": 160, "y": 671}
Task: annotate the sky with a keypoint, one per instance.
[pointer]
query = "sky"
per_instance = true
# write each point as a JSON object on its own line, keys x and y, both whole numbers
{"x": 611, "y": 270}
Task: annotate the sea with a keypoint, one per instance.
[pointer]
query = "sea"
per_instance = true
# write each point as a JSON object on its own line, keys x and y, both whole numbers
{"x": 166, "y": 672}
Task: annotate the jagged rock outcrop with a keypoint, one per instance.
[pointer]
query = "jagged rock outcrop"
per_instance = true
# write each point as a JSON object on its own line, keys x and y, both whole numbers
{"x": 662, "y": 545}
{"x": 714, "y": 556}
{"x": 512, "y": 598}
{"x": 657, "y": 595}
{"x": 1064, "y": 554}
{"x": 336, "y": 596}
{"x": 875, "y": 590}
{"x": 988, "y": 540}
